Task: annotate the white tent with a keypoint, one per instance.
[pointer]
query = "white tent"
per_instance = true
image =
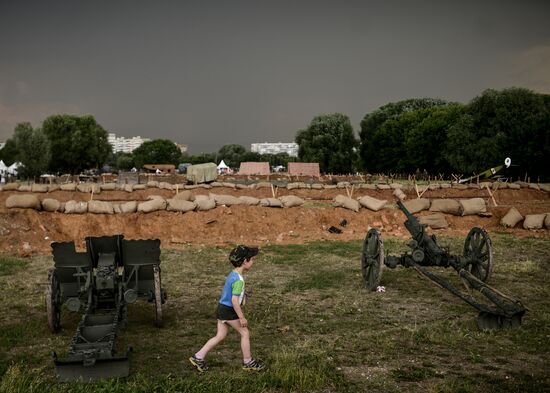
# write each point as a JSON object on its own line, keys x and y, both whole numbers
{"x": 223, "y": 168}
{"x": 3, "y": 167}
{"x": 12, "y": 169}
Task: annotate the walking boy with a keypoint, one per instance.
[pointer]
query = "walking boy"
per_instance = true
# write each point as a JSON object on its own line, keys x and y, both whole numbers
{"x": 230, "y": 313}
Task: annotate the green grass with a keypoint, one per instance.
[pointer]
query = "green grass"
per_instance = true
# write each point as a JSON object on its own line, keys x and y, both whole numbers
{"x": 311, "y": 320}
{"x": 10, "y": 265}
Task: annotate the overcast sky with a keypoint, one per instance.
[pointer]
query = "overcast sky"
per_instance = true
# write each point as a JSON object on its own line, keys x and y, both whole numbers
{"x": 209, "y": 73}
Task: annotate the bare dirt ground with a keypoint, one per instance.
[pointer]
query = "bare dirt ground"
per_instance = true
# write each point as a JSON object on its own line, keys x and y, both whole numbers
{"x": 25, "y": 231}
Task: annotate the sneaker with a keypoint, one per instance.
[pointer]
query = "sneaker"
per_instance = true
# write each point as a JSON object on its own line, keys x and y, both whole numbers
{"x": 254, "y": 365}
{"x": 199, "y": 364}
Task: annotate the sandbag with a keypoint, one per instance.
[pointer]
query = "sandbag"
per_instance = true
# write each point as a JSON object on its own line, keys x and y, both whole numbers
{"x": 128, "y": 187}
{"x": 434, "y": 187}
{"x": 180, "y": 205}
{"x": 184, "y": 195}
{"x": 317, "y": 186}
{"x": 434, "y": 221}
{"x": 25, "y": 188}
{"x": 511, "y": 218}
{"x": 216, "y": 184}
{"x": 39, "y": 188}
{"x": 51, "y": 205}
{"x": 383, "y": 186}
{"x": 449, "y": 206}
{"x": 152, "y": 183}
{"x": 229, "y": 185}
{"x": 74, "y": 207}
{"x": 271, "y": 202}
{"x": 248, "y": 200}
{"x": 204, "y": 203}
{"x": 399, "y": 194}
{"x": 534, "y": 186}
{"x": 262, "y": 184}
{"x": 26, "y": 201}
{"x": 203, "y": 185}
{"x": 395, "y": 186}
{"x": 152, "y": 205}
{"x": 100, "y": 207}
{"x": 291, "y": 186}
{"x": 368, "y": 186}
{"x": 547, "y": 221}
{"x": 472, "y": 206}
{"x": 165, "y": 186}
{"x": 474, "y": 186}
{"x": 291, "y": 201}
{"x": 346, "y": 203}
{"x": 227, "y": 200}
{"x": 88, "y": 187}
{"x": 445, "y": 185}
{"x": 534, "y": 221}
{"x": 343, "y": 184}
{"x": 484, "y": 184}
{"x": 544, "y": 187}
{"x": 68, "y": 187}
{"x": 116, "y": 208}
{"x": 417, "y": 205}
{"x": 460, "y": 186}
{"x": 514, "y": 186}
{"x": 328, "y": 186}
{"x": 372, "y": 203}
{"x": 139, "y": 187}
{"x": 128, "y": 207}
{"x": 242, "y": 186}
{"x": 108, "y": 187}
{"x": 10, "y": 186}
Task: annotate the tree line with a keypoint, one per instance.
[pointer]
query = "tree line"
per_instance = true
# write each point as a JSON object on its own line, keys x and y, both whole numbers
{"x": 422, "y": 134}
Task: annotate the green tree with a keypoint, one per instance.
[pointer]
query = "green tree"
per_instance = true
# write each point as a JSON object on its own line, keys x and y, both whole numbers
{"x": 513, "y": 122}
{"x": 201, "y": 158}
{"x": 380, "y": 133}
{"x": 33, "y": 150}
{"x": 8, "y": 154}
{"x": 330, "y": 141}
{"x": 124, "y": 161}
{"x": 232, "y": 155}
{"x": 427, "y": 135}
{"x": 157, "y": 151}
{"x": 76, "y": 142}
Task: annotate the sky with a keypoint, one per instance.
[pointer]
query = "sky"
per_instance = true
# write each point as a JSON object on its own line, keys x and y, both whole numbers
{"x": 210, "y": 73}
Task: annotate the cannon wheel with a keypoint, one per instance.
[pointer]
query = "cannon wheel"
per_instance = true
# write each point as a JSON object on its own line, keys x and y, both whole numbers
{"x": 53, "y": 306}
{"x": 479, "y": 249}
{"x": 158, "y": 296}
{"x": 372, "y": 259}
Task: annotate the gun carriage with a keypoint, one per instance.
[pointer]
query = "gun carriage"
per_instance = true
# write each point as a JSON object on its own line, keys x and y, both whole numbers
{"x": 101, "y": 282}
{"x": 474, "y": 266}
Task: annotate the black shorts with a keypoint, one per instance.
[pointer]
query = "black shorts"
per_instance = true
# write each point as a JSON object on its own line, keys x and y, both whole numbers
{"x": 225, "y": 313}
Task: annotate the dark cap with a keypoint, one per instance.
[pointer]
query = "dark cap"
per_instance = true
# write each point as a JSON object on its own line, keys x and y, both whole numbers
{"x": 240, "y": 253}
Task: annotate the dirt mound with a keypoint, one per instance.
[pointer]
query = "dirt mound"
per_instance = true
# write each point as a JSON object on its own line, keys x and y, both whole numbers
{"x": 23, "y": 231}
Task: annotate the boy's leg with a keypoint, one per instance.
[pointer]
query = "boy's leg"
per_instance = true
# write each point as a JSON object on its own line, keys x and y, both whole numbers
{"x": 218, "y": 338}
{"x": 245, "y": 339}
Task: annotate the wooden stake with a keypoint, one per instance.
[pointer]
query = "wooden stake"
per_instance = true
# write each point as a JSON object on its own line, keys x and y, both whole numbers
{"x": 422, "y": 193}
{"x": 416, "y": 189}
{"x": 352, "y": 188}
{"x": 491, "y": 194}
{"x": 272, "y": 191}
{"x": 92, "y": 193}
{"x": 347, "y": 191}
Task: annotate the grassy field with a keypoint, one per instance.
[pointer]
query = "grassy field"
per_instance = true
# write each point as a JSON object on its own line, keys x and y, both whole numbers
{"x": 311, "y": 321}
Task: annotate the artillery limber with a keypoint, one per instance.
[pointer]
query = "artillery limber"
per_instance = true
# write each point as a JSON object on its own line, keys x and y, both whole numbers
{"x": 101, "y": 282}
{"x": 474, "y": 267}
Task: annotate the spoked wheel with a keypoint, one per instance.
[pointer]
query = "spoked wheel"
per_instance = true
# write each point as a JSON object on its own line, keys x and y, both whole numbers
{"x": 479, "y": 249}
{"x": 53, "y": 302}
{"x": 158, "y": 295}
{"x": 372, "y": 259}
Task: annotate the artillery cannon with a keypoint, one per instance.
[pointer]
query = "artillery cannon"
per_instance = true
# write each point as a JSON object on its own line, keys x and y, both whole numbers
{"x": 474, "y": 267}
{"x": 101, "y": 282}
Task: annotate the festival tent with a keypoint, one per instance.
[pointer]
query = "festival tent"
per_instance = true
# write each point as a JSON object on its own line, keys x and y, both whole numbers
{"x": 3, "y": 167}
{"x": 12, "y": 169}
{"x": 223, "y": 168}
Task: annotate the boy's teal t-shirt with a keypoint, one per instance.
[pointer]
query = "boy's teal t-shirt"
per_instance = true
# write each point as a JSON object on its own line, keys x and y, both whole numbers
{"x": 234, "y": 286}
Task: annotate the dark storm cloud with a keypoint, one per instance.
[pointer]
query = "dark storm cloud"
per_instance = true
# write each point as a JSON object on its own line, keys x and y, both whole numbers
{"x": 242, "y": 72}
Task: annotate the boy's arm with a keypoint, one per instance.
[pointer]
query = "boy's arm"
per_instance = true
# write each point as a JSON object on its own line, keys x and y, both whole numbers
{"x": 238, "y": 310}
